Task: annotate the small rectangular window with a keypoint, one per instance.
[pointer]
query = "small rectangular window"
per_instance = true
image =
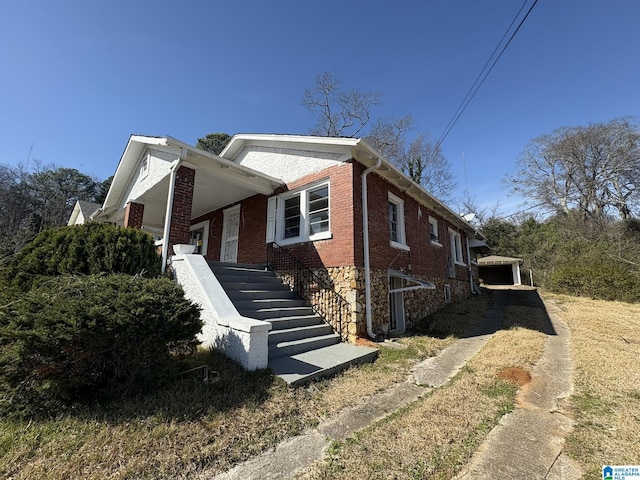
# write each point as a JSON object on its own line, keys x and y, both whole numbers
{"x": 397, "y": 237}
{"x": 393, "y": 221}
{"x": 456, "y": 247}
{"x": 433, "y": 230}
{"x": 144, "y": 166}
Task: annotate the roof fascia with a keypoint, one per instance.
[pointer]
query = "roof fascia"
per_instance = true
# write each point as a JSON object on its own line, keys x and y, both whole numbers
{"x": 366, "y": 154}
{"x": 239, "y": 141}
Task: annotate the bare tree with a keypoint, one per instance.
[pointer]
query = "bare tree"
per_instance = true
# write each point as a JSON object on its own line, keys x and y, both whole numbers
{"x": 338, "y": 112}
{"x": 594, "y": 170}
{"x": 388, "y": 136}
{"x": 420, "y": 159}
{"x": 342, "y": 112}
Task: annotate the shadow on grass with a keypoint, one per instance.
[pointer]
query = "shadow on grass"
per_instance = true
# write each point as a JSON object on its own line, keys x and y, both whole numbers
{"x": 496, "y": 309}
{"x": 187, "y": 397}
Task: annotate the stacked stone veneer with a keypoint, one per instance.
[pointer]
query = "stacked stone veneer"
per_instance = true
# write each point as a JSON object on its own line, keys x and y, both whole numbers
{"x": 348, "y": 281}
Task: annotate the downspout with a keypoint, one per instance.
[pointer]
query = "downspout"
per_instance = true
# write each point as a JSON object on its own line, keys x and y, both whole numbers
{"x": 469, "y": 267}
{"x": 365, "y": 239}
{"x": 167, "y": 215}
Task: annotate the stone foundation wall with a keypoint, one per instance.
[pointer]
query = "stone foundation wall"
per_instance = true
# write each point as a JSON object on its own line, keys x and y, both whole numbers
{"x": 348, "y": 281}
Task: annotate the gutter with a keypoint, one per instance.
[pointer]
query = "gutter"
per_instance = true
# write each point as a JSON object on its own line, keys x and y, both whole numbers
{"x": 365, "y": 239}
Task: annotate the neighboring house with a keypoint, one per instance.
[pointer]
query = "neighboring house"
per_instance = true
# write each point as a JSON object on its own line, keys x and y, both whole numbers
{"x": 393, "y": 252}
{"x": 82, "y": 212}
{"x": 496, "y": 270}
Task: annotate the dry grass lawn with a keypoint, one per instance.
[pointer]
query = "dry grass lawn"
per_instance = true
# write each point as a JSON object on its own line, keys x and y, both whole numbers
{"x": 190, "y": 427}
{"x": 437, "y": 435}
{"x": 605, "y": 347}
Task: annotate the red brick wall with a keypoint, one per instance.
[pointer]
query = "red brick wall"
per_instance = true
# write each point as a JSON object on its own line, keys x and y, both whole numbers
{"x": 346, "y": 245}
{"x": 339, "y": 249}
{"x": 252, "y": 246}
{"x": 424, "y": 257}
{"x": 181, "y": 210}
{"x": 215, "y": 233}
{"x": 133, "y": 214}
{"x": 252, "y": 235}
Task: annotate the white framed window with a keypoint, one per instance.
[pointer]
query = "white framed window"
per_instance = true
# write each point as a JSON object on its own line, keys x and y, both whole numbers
{"x": 397, "y": 236}
{"x": 144, "y": 165}
{"x": 302, "y": 215}
{"x": 433, "y": 231}
{"x": 456, "y": 247}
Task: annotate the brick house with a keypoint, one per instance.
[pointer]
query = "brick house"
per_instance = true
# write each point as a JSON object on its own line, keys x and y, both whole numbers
{"x": 392, "y": 251}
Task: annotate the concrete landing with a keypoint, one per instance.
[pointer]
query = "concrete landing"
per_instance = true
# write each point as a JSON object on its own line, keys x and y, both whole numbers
{"x": 323, "y": 362}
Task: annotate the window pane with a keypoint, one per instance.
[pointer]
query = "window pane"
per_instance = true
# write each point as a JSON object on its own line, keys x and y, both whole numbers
{"x": 319, "y": 222}
{"x": 393, "y": 221}
{"x": 319, "y": 198}
{"x": 292, "y": 217}
{"x": 318, "y": 210}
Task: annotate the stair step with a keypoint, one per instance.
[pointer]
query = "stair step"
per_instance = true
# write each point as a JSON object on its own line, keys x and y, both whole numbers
{"x": 232, "y": 286}
{"x": 259, "y": 303}
{"x": 267, "y": 313}
{"x": 244, "y": 276}
{"x": 295, "y": 347}
{"x": 294, "y": 322}
{"x": 299, "y": 333}
{"x": 237, "y": 266}
{"x": 261, "y": 294}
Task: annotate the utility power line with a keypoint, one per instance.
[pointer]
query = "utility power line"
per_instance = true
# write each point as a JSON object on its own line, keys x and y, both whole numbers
{"x": 486, "y": 70}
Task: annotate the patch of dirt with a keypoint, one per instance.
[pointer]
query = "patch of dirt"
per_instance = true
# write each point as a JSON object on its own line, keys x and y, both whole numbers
{"x": 515, "y": 375}
{"x": 365, "y": 342}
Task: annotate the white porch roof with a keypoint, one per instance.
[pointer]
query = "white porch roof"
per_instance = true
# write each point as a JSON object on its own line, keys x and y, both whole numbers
{"x": 218, "y": 182}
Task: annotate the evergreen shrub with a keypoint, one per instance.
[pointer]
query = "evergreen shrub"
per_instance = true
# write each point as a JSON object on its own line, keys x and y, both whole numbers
{"x": 80, "y": 338}
{"x": 87, "y": 249}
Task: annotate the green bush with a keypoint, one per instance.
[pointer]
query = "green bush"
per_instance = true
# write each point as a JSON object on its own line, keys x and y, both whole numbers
{"x": 87, "y": 249}
{"x": 79, "y": 338}
{"x": 596, "y": 276}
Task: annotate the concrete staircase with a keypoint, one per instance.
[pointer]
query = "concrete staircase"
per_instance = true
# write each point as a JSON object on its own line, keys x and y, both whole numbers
{"x": 301, "y": 345}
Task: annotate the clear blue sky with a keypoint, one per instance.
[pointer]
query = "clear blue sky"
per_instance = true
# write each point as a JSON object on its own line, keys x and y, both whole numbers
{"x": 78, "y": 77}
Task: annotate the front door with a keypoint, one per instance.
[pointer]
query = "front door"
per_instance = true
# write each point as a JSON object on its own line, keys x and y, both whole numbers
{"x": 230, "y": 231}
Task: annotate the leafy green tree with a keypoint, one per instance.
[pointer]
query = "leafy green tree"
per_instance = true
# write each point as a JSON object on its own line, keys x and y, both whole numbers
{"x": 214, "y": 142}
{"x": 31, "y": 201}
{"x": 102, "y": 190}
{"x": 501, "y": 237}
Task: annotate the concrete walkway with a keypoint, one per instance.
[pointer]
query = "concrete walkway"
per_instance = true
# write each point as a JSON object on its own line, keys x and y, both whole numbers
{"x": 528, "y": 442}
{"x": 538, "y": 430}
